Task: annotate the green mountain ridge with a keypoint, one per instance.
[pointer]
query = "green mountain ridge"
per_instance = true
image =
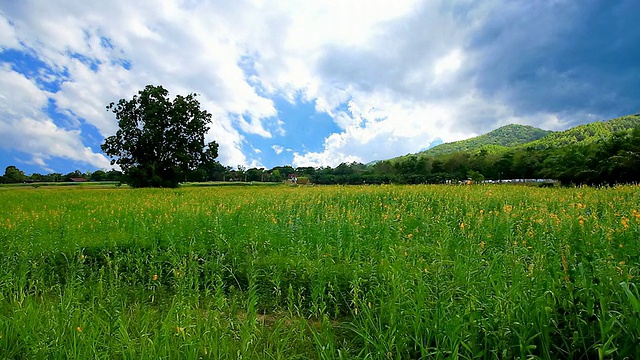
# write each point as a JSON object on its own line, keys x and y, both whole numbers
{"x": 506, "y": 136}
{"x": 515, "y": 136}
{"x": 586, "y": 133}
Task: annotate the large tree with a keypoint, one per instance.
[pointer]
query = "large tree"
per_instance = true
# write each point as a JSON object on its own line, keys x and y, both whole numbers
{"x": 160, "y": 140}
{"x": 13, "y": 175}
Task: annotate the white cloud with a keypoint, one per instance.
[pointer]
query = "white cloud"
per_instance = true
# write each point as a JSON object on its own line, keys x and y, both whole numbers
{"x": 204, "y": 48}
{"x": 278, "y": 149}
{"x": 170, "y": 46}
{"x": 26, "y": 128}
{"x": 8, "y": 38}
{"x": 448, "y": 63}
{"x": 392, "y": 75}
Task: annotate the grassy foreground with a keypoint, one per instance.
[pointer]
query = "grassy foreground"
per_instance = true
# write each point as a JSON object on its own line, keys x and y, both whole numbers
{"x": 320, "y": 273}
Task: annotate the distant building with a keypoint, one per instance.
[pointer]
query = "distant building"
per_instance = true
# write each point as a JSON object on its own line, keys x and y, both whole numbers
{"x": 520, "y": 181}
{"x": 77, "y": 179}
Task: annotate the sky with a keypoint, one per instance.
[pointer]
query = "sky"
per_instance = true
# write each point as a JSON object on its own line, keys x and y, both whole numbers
{"x": 310, "y": 83}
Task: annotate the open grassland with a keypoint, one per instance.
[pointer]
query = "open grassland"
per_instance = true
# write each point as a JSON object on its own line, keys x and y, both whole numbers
{"x": 320, "y": 272}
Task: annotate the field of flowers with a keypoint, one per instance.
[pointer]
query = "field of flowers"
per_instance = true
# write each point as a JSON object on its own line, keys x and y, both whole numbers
{"x": 320, "y": 272}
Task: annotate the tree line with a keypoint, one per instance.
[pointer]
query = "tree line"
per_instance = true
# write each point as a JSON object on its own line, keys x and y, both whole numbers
{"x": 13, "y": 175}
{"x": 605, "y": 162}
{"x": 610, "y": 160}
{"x": 161, "y": 143}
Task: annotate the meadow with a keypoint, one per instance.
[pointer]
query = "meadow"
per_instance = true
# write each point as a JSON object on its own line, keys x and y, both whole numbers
{"x": 377, "y": 272}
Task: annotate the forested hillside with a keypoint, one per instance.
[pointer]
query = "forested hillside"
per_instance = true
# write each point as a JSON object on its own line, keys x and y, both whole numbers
{"x": 605, "y": 152}
{"x": 602, "y": 152}
{"x": 587, "y": 133}
{"x": 504, "y": 137}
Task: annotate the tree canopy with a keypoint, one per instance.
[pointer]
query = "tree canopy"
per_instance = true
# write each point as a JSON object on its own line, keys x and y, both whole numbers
{"x": 13, "y": 175}
{"x": 160, "y": 141}
{"x": 502, "y": 138}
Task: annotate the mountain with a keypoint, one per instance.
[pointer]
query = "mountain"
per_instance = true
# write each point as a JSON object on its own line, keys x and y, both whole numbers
{"x": 585, "y": 134}
{"x": 528, "y": 137}
{"x": 504, "y": 137}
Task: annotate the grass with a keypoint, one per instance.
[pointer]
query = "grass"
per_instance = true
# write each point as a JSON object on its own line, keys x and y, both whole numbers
{"x": 111, "y": 184}
{"x": 47, "y": 185}
{"x": 320, "y": 272}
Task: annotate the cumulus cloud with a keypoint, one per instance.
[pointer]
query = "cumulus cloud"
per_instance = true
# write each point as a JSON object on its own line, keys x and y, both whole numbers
{"x": 110, "y": 51}
{"x": 8, "y": 37}
{"x": 277, "y": 149}
{"x": 26, "y": 128}
{"x": 391, "y": 75}
{"x": 458, "y": 69}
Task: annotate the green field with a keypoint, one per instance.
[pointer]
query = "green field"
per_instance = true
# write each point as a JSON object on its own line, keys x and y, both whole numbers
{"x": 379, "y": 272}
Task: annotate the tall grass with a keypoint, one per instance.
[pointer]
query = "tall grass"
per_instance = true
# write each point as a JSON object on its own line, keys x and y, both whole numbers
{"x": 320, "y": 272}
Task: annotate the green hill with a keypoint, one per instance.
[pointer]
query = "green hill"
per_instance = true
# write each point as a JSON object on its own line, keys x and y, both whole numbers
{"x": 504, "y": 137}
{"x": 585, "y": 134}
{"x": 528, "y": 137}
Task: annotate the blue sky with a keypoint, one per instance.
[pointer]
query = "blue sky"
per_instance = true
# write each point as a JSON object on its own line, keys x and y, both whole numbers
{"x": 310, "y": 83}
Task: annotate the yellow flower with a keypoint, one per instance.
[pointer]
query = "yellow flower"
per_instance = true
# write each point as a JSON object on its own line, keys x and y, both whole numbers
{"x": 462, "y": 225}
{"x": 155, "y": 277}
{"x": 482, "y": 244}
{"x": 79, "y": 329}
{"x": 625, "y": 222}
